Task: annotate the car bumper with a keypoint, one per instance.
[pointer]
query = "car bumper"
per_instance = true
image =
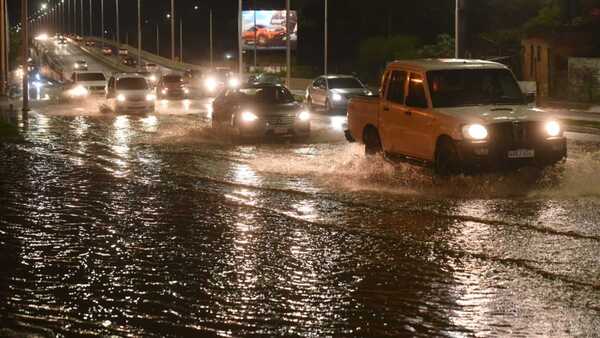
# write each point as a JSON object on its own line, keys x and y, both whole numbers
{"x": 263, "y": 129}
{"x": 486, "y": 155}
{"x": 135, "y": 107}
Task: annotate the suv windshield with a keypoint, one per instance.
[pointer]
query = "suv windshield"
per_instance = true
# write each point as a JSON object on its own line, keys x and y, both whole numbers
{"x": 132, "y": 83}
{"x": 468, "y": 87}
{"x": 269, "y": 95}
{"x": 90, "y": 77}
{"x": 344, "y": 82}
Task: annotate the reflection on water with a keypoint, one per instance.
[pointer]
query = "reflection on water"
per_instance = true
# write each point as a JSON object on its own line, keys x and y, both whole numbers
{"x": 106, "y": 228}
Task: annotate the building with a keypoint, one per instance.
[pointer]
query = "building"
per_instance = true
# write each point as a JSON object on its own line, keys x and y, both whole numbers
{"x": 546, "y": 61}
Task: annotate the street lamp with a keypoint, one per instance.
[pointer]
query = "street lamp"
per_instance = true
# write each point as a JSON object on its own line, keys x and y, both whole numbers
{"x": 172, "y": 17}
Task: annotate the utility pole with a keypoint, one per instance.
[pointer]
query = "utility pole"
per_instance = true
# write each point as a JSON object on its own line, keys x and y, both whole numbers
{"x": 91, "y": 30}
{"x": 139, "y": 35}
{"x": 172, "y": 30}
{"x": 240, "y": 46}
{"x": 67, "y": 16}
{"x": 81, "y": 14}
{"x": 289, "y": 43}
{"x": 157, "y": 41}
{"x": 210, "y": 20}
{"x": 25, "y": 54}
{"x": 102, "y": 21}
{"x": 255, "y": 35}
{"x": 180, "y": 40}
{"x": 326, "y": 56}
{"x": 118, "y": 27}
{"x": 460, "y": 30}
{"x": 3, "y": 61}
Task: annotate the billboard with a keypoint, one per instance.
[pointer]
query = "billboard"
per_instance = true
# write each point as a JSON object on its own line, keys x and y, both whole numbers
{"x": 266, "y": 30}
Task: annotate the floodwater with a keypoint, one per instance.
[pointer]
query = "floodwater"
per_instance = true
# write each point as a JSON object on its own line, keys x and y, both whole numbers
{"x": 155, "y": 226}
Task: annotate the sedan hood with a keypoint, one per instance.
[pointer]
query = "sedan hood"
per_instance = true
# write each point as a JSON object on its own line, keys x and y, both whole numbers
{"x": 350, "y": 91}
{"x": 496, "y": 114}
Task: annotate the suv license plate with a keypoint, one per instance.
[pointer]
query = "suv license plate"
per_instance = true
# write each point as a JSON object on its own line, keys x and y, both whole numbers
{"x": 280, "y": 130}
{"x": 521, "y": 153}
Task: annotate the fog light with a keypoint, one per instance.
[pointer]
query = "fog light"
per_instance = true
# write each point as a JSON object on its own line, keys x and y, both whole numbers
{"x": 121, "y": 98}
{"x": 304, "y": 116}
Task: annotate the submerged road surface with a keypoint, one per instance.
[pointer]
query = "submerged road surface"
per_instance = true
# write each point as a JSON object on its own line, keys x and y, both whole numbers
{"x": 152, "y": 225}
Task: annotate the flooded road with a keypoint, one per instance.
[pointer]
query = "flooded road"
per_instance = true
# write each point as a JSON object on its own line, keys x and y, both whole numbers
{"x": 153, "y": 225}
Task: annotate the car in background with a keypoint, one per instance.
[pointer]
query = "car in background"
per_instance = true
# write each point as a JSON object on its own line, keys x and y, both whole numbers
{"x": 150, "y": 77}
{"x": 123, "y": 51}
{"x": 107, "y": 51}
{"x": 90, "y": 43}
{"x": 61, "y": 41}
{"x": 217, "y": 80}
{"x": 129, "y": 93}
{"x": 332, "y": 92}
{"x": 80, "y": 65}
{"x": 129, "y": 61}
{"x": 83, "y": 84}
{"x": 152, "y": 67}
{"x": 258, "y": 110}
{"x": 172, "y": 87}
{"x": 265, "y": 78}
{"x": 262, "y": 35}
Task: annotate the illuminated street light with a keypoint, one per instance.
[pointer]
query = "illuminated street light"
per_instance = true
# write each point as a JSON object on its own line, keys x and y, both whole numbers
{"x": 44, "y": 6}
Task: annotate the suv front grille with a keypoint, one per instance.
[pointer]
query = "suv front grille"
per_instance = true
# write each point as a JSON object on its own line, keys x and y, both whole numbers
{"x": 517, "y": 132}
{"x": 280, "y": 120}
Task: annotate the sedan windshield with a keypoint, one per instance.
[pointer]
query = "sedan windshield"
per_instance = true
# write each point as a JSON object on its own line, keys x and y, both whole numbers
{"x": 132, "y": 83}
{"x": 344, "y": 82}
{"x": 468, "y": 87}
{"x": 268, "y": 95}
{"x": 172, "y": 79}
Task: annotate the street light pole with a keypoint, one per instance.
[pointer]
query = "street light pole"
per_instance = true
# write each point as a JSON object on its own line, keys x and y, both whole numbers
{"x": 289, "y": 43}
{"x": 102, "y": 21}
{"x": 118, "y": 27}
{"x": 172, "y": 30}
{"x": 139, "y": 13}
{"x": 3, "y": 63}
{"x": 240, "y": 46}
{"x": 91, "y": 30}
{"x": 326, "y": 54}
{"x": 210, "y": 19}
{"x": 460, "y": 29}
{"x": 180, "y": 40}
{"x": 25, "y": 53}
{"x": 157, "y": 41}
{"x": 81, "y": 19}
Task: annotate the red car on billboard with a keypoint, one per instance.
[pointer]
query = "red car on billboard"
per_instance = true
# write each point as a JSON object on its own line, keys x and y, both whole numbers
{"x": 263, "y": 35}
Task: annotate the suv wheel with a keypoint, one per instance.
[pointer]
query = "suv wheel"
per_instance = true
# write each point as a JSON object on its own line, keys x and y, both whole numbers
{"x": 372, "y": 142}
{"x": 447, "y": 162}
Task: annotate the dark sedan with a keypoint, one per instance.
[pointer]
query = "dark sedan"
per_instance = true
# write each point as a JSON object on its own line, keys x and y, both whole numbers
{"x": 172, "y": 87}
{"x": 257, "y": 110}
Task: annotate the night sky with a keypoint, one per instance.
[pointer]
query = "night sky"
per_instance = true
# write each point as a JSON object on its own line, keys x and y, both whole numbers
{"x": 350, "y": 22}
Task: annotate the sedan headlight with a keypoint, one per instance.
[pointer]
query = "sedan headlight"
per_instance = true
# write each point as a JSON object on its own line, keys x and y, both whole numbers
{"x": 210, "y": 84}
{"x": 234, "y": 82}
{"x": 152, "y": 78}
{"x": 186, "y": 91}
{"x": 121, "y": 98}
{"x": 475, "y": 132}
{"x": 304, "y": 116}
{"x": 150, "y": 97}
{"x": 249, "y": 116}
{"x": 553, "y": 128}
{"x": 79, "y": 91}
{"x": 336, "y": 97}
{"x": 165, "y": 90}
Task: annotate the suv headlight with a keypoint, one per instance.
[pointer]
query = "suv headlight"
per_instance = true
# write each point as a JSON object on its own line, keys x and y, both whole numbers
{"x": 336, "y": 97}
{"x": 249, "y": 116}
{"x": 121, "y": 98}
{"x": 211, "y": 84}
{"x": 79, "y": 91}
{"x": 475, "y": 132}
{"x": 304, "y": 116}
{"x": 234, "y": 82}
{"x": 553, "y": 128}
{"x": 150, "y": 97}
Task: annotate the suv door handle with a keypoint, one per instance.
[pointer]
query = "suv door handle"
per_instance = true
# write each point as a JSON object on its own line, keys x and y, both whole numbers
{"x": 408, "y": 113}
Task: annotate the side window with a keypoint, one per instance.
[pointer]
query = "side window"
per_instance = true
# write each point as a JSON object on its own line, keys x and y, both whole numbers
{"x": 317, "y": 83}
{"x": 396, "y": 88}
{"x": 416, "y": 92}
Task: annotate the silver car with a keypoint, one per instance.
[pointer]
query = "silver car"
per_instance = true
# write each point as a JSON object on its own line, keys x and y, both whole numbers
{"x": 332, "y": 92}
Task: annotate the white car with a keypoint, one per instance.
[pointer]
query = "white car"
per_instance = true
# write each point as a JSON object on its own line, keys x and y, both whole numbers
{"x": 130, "y": 93}
{"x": 151, "y": 67}
{"x": 332, "y": 92}
{"x": 84, "y": 84}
